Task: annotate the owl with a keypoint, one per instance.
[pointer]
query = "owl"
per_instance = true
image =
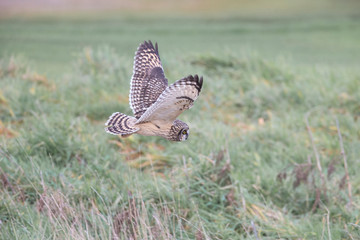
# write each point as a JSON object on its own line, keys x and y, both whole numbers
{"x": 154, "y": 103}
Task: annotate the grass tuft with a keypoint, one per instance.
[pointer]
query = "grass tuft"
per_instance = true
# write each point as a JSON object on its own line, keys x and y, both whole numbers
{"x": 250, "y": 169}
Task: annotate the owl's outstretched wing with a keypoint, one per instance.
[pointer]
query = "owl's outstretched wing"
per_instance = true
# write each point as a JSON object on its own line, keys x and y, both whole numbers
{"x": 175, "y": 99}
{"x": 148, "y": 80}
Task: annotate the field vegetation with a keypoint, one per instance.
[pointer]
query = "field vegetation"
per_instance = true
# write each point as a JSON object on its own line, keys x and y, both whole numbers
{"x": 273, "y": 151}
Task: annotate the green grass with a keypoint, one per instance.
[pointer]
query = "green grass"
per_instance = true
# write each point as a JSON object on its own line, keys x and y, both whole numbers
{"x": 52, "y": 43}
{"x": 248, "y": 169}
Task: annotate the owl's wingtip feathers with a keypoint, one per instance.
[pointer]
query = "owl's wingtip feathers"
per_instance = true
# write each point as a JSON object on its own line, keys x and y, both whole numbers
{"x": 150, "y": 45}
{"x": 198, "y": 81}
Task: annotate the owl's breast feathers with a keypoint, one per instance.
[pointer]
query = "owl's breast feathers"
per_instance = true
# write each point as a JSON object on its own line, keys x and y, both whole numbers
{"x": 154, "y": 128}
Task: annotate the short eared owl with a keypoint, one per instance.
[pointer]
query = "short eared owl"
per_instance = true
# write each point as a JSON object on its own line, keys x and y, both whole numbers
{"x": 155, "y": 104}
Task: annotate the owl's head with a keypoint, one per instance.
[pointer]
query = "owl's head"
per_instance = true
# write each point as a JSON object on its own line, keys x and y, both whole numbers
{"x": 179, "y": 131}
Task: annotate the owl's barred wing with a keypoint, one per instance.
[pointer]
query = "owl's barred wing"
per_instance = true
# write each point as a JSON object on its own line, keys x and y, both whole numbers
{"x": 148, "y": 80}
{"x": 175, "y": 99}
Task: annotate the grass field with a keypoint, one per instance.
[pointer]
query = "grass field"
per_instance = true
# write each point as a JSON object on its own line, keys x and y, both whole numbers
{"x": 52, "y": 43}
{"x": 263, "y": 160}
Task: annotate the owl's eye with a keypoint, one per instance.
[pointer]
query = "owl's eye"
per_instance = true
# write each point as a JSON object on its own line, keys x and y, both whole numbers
{"x": 183, "y": 135}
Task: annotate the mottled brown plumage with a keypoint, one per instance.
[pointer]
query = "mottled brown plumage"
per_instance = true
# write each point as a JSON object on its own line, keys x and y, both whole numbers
{"x": 155, "y": 104}
{"x": 148, "y": 80}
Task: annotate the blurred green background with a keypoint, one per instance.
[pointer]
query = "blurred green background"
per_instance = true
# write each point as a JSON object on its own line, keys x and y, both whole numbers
{"x": 50, "y": 32}
{"x": 264, "y": 158}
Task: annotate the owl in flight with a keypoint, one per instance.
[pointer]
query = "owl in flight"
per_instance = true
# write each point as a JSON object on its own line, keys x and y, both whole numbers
{"x": 155, "y": 104}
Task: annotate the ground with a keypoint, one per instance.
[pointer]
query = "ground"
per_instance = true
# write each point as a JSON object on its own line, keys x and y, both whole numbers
{"x": 276, "y": 120}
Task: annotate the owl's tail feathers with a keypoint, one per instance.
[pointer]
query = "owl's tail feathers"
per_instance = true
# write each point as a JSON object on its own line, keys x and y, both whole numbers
{"x": 121, "y": 124}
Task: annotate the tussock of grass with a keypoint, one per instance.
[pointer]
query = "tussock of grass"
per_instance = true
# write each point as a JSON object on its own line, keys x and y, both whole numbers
{"x": 247, "y": 171}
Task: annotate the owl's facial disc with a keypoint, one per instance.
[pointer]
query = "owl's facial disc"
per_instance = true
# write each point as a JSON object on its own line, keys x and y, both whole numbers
{"x": 184, "y": 134}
